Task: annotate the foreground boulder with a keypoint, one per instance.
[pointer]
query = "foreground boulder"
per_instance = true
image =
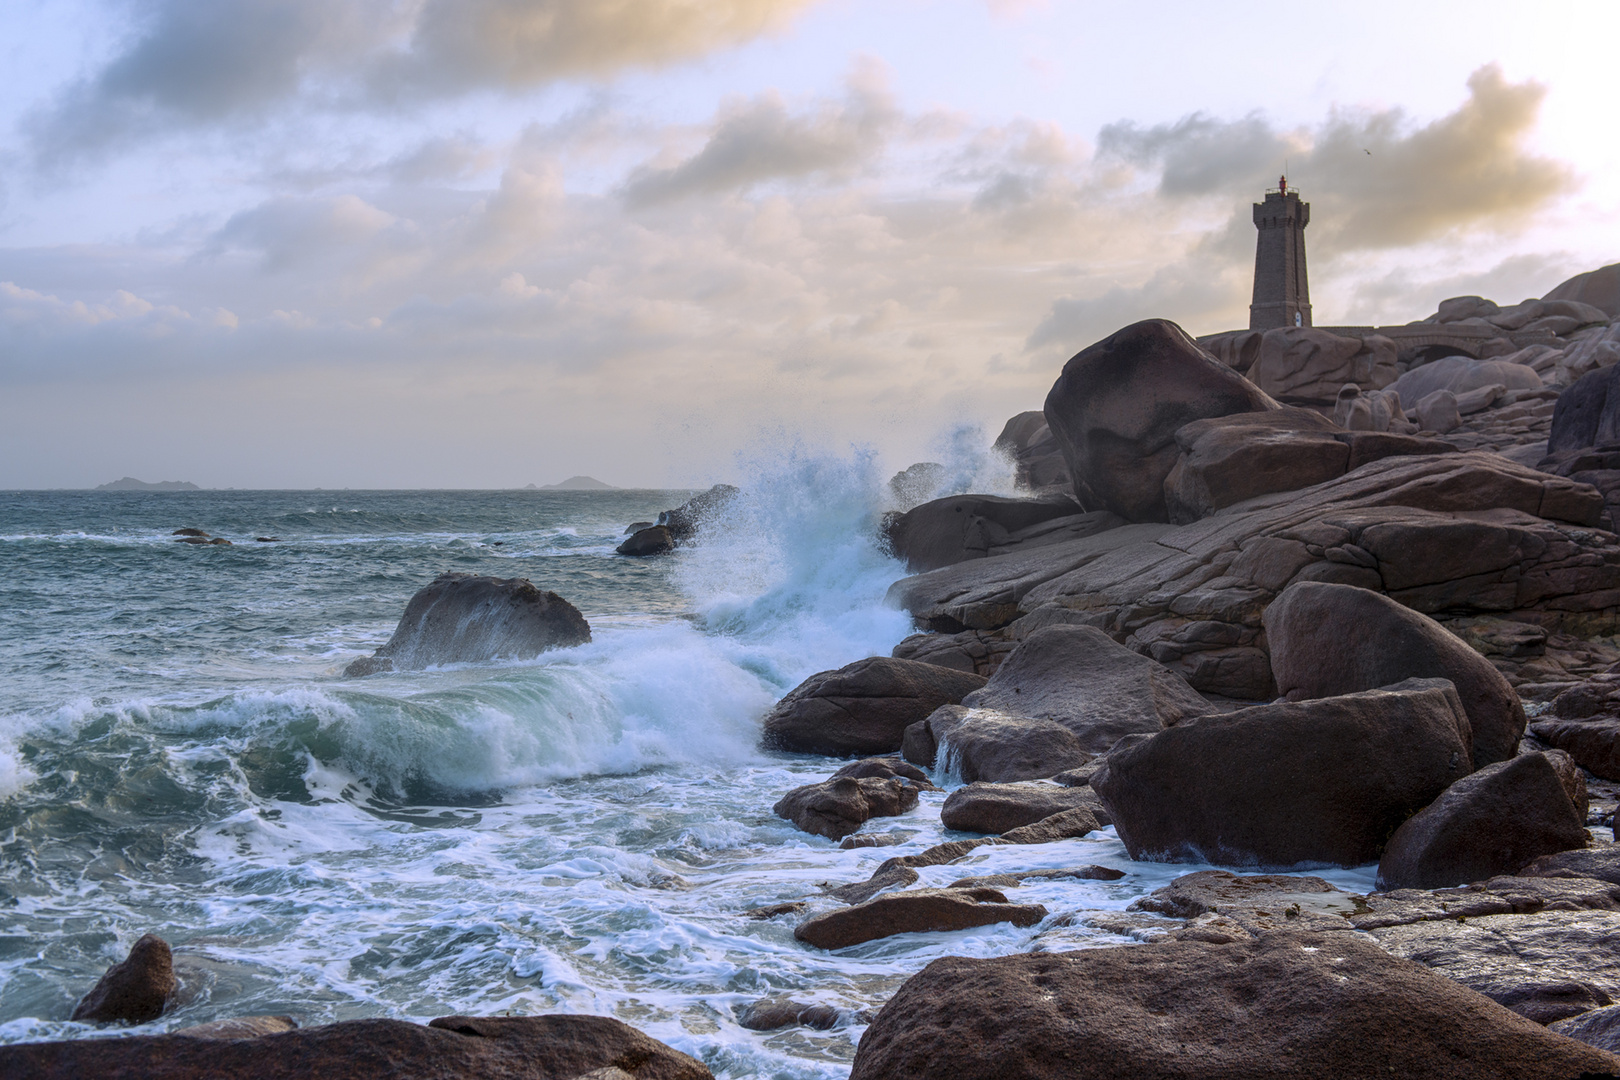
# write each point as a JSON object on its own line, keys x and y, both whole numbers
{"x": 916, "y": 912}
{"x": 1117, "y": 405}
{"x": 1279, "y": 1006}
{"x": 449, "y": 1048}
{"x": 835, "y": 808}
{"x": 1331, "y": 639}
{"x": 1490, "y": 823}
{"x": 472, "y": 619}
{"x": 135, "y": 989}
{"x": 1092, "y": 685}
{"x": 983, "y": 744}
{"x": 864, "y": 707}
{"x": 1323, "y": 782}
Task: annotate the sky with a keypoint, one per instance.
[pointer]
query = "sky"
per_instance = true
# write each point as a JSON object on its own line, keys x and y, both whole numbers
{"x": 485, "y": 243}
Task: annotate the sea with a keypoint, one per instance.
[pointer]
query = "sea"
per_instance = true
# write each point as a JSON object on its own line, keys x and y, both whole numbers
{"x": 583, "y": 832}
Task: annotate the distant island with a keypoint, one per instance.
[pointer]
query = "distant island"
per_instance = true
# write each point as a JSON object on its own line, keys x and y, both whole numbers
{"x": 129, "y": 483}
{"x": 578, "y": 483}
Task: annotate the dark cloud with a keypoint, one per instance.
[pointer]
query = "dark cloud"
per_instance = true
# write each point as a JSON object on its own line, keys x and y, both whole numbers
{"x": 1375, "y": 179}
{"x": 198, "y": 63}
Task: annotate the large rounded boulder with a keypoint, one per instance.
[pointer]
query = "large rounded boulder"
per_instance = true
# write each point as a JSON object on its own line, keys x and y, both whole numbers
{"x": 472, "y": 619}
{"x": 1117, "y": 405}
{"x": 1278, "y": 1007}
{"x": 863, "y": 708}
{"x": 1329, "y": 639}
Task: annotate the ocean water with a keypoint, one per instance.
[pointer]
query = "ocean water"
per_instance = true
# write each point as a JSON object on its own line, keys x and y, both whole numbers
{"x": 181, "y": 755}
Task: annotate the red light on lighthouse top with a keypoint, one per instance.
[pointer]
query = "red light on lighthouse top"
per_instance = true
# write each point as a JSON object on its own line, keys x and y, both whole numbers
{"x": 1282, "y": 185}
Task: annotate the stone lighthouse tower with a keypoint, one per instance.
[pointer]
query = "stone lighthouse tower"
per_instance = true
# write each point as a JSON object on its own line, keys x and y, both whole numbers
{"x": 1282, "y": 297}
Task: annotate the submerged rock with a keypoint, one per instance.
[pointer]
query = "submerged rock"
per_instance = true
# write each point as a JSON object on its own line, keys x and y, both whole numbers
{"x": 770, "y": 1014}
{"x": 864, "y": 707}
{"x": 135, "y": 989}
{"x": 471, "y": 619}
{"x": 564, "y": 1047}
{"x": 916, "y": 912}
{"x": 1279, "y": 1007}
{"x": 240, "y": 1027}
{"x": 835, "y": 808}
{"x": 653, "y": 540}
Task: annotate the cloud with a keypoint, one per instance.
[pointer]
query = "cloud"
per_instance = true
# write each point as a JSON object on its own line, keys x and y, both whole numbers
{"x": 208, "y": 63}
{"x": 1374, "y": 178}
{"x": 760, "y": 140}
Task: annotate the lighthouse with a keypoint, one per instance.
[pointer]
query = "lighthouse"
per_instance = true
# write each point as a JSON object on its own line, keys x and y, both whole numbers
{"x": 1282, "y": 296}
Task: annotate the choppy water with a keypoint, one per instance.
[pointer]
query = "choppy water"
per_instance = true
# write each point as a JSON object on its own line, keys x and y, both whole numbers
{"x": 179, "y": 754}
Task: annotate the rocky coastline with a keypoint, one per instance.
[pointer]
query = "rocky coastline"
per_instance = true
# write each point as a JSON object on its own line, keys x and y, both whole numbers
{"x": 1271, "y": 602}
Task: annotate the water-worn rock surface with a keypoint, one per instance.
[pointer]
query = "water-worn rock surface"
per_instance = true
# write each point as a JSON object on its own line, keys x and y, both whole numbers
{"x": 1282, "y": 1005}
{"x": 449, "y": 1048}
{"x": 916, "y": 911}
{"x": 134, "y": 990}
{"x": 470, "y": 618}
{"x": 835, "y": 808}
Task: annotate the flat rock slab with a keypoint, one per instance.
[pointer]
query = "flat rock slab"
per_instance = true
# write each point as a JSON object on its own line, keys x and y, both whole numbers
{"x": 916, "y": 912}
{"x": 1000, "y": 808}
{"x": 1068, "y": 825}
{"x": 1013, "y": 880}
{"x": 1508, "y": 895}
{"x": 1230, "y": 907}
{"x": 1279, "y": 1006}
{"x": 1546, "y": 966}
{"x": 449, "y": 1048}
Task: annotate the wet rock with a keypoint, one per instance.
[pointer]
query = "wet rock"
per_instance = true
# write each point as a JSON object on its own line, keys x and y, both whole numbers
{"x": 473, "y": 619}
{"x": 1324, "y": 781}
{"x": 864, "y": 707}
{"x": 1117, "y": 405}
{"x": 1225, "y": 893}
{"x": 449, "y": 1048}
{"x": 772, "y": 1014}
{"x": 685, "y": 520}
{"x": 1017, "y": 878}
{"x": 135, "y": 989}
{"x": 1000, "y": 808}
{"x": 771, "y": 911}
{"x": 883, "y": 768}
{"x": 240, "y": 1027}
{"x": 1280, "y": 1006}
{"x": 890, "y": 875}
{"x": 190, "y": 532}
{"x": 636, "y": 526}
{"x": 961, "y": 527}
{"x": 866, "y": 840}
{"x": 836, "y": 808}
{"x": 1037, "y": 458}
{"x": 916, "y": 912}
{"x": 267, "y": 539}
{"x": 654, "y": 540}
{"x": 1544, "y": 966}
{"x": 917, "y": 483}
{"x": 1066, "y": 825}
{"x": 983, "y": 744}
{"x": 205, "y": 541}
{"x": 1482, "y": 826}
{"x": 1331, "y": 639}
{"x": 1081, "y": 678}
{"x": 1596, "y": 1027}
